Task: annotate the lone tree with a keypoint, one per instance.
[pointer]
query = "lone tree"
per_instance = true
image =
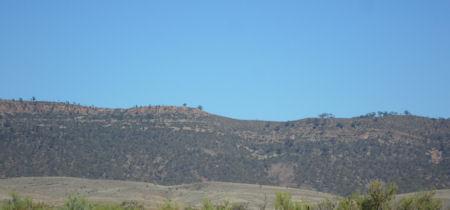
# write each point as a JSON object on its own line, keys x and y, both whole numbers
{"x": 200, "y": 107}
{"x": 326, "y": 115}
{"x": 184, "y": 104}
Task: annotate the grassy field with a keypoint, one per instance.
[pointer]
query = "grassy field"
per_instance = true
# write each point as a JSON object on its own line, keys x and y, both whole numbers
{"x": 54, "y": 190}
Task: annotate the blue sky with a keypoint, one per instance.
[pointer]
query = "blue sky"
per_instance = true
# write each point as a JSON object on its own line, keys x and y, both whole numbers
{"x": 271, "y": 60}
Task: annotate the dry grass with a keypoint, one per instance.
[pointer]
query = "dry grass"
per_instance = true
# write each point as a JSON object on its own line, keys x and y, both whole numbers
{"x": 54, "y": 190}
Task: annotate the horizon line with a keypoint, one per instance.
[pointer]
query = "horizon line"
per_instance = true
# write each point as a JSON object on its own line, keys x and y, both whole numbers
{"x": 324, "y": 115}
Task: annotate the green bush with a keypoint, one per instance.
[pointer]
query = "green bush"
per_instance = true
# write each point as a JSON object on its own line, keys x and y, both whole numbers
{"x": 106, "y": 207}
{"x": 18, "y": 203}
{"x": 169, "y": 205}
{"x": 420, "y": 201}
{"x": 207, "y": 205}
{"x": 379, "y": 196}
{"x": 223, "y": 206}
{"x": 283, "y": 201}
{"x": 352, "y": 202}
{"x": 75, "y": 202}
{"x": 326, "y": 205}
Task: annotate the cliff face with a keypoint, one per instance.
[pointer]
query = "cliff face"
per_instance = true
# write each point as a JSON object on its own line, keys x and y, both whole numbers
{"x": 173, "y": 145}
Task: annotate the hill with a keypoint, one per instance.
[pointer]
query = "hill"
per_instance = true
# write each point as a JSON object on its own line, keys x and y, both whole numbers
{"x": 175, "y": 145}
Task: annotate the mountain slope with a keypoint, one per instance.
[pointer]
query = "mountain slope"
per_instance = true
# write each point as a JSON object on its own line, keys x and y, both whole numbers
{"x": 174, "y": 145}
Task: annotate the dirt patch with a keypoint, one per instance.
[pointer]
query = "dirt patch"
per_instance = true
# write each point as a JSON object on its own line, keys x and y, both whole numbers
{"x": 436, "y": 155}
{"x": 283, "y": 172}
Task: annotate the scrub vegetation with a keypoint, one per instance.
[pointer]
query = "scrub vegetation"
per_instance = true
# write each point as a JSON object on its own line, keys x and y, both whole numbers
{"x": 172, "y": 145}
{"x": 379, "y": 196}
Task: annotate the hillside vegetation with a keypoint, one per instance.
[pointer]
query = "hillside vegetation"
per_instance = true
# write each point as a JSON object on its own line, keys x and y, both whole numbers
{"x": 175, "y": 145}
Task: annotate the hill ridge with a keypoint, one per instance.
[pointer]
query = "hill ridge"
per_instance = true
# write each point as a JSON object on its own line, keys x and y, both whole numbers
{"x": 29, "y": 106}
{"x": 183, "y": 145}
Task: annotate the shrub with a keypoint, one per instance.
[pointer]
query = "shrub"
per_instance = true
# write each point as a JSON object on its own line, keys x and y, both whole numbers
{"x": 283, "y": 202}
{"x": 239, "y": 206}
{"x": 420, "y": 201}
{"x": 75, "y": 202}
{"x": 207, "y": 205}
{"x": 326, "y": 205}
{"x": 224, "y": 206}
{"x": 169, "y": 205}
{"x": 352, "y": 202}
{"x": 106, "y": 207}
{"x": 132, "y": 205}
{"x": 18, "y": 203}
{"x": 379, "y": 196}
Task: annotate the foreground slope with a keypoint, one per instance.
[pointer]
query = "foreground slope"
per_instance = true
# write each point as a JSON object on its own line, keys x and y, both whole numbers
{"x": 54, "y": 190}
{"x": 175, "y": 145}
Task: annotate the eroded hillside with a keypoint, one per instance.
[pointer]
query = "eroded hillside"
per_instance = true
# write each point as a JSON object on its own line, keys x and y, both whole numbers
{"x": 174, "y": 145}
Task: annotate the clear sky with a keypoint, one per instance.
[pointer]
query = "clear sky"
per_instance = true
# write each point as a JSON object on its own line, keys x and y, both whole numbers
{"x": 271, "y": 60}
